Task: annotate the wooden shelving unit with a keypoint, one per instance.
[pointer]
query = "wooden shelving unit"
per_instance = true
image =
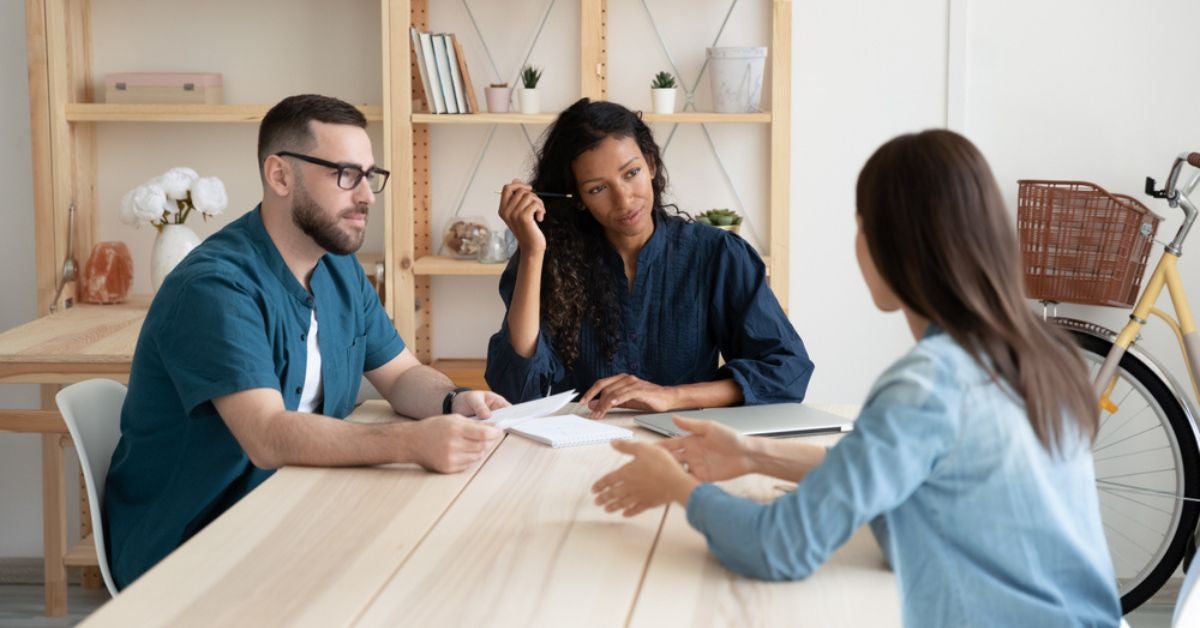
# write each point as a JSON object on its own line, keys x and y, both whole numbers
{"x": 411, "y": 243}
{"x": 64, "y": 117}
{"x": 547, "y": 118}
{"x": 106, "y": 112}
{"x": 441, "y": 265}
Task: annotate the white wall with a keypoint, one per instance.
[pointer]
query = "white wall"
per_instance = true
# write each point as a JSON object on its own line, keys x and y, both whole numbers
{"x": 1059, "y": 90}
{"x": 1096, "y": 91}
{"x": 864, "y": 71}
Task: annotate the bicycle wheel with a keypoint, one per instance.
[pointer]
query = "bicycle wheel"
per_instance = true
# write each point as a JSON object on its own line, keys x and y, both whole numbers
{"x": 1146, "y": 459}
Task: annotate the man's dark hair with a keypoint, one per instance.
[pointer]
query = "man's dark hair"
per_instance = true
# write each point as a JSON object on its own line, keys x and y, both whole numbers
{"x": 285, "y": 127}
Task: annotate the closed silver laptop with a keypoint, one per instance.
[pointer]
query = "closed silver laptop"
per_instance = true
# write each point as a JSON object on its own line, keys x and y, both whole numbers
{"x": 779, "y": 420}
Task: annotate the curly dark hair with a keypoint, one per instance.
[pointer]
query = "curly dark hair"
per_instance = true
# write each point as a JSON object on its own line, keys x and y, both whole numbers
{"x": 576, "y": 285}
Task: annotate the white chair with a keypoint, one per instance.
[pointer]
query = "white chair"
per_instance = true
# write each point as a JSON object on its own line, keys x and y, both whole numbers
{"x": 92, "y": 412}
{"x": 1187, "y": 607}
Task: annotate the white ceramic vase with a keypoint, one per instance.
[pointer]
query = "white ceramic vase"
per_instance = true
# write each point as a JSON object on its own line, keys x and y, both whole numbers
{"x": 664, "y": 99}
{"x": 528, "y": 101}
{"x": 736, "y": 77}
{"x": 173, "y": 244}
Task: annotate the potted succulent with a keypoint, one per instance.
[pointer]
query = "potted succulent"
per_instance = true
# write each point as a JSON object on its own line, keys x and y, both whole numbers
{"x": 726, "y": 219}
{"x": 528, "y": 96}
{"x": 498, "y": 96}
{"x": 662, "y": 92}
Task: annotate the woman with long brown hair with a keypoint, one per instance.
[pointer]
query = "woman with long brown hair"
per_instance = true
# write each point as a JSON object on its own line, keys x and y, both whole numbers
{"x": 971, "y": 457}
{"x": 611, "y": 295}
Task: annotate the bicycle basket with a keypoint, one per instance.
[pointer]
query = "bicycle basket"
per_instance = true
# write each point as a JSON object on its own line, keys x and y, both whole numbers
{"x": 1081, "y": 244}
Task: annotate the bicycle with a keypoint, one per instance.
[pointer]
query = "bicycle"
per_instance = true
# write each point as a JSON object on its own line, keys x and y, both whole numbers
{"x": 1083, "y": 245}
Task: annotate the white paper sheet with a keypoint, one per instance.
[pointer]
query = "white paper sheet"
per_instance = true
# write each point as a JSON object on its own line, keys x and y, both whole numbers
{"x": 512, "y": 415}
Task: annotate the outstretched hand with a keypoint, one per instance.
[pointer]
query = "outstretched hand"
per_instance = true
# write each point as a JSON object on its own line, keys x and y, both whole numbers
{"x": 651, "y": 479}
{"x": 712, "y": 452}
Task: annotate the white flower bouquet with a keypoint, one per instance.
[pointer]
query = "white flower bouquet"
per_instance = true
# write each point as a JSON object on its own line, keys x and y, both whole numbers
{"x": 170, "y": 198}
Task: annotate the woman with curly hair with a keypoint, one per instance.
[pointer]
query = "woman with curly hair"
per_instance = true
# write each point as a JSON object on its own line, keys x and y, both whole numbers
{"x": 612, "y": 295}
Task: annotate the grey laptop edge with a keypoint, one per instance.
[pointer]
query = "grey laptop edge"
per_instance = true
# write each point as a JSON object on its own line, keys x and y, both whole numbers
{"x": 780, "y": 420}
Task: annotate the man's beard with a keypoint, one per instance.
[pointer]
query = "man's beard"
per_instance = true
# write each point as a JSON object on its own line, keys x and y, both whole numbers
{"x": 324, "y": 230}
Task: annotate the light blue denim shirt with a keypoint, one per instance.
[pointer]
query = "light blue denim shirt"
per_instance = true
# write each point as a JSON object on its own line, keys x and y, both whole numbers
{"x": 981, "y": 524}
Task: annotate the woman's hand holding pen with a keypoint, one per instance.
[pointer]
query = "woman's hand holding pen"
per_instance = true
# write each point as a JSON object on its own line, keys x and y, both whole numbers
{"x": 521, "y": 209}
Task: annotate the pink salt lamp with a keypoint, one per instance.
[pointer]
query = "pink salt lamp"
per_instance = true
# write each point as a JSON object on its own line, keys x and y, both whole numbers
{"x": 107, "y": 275}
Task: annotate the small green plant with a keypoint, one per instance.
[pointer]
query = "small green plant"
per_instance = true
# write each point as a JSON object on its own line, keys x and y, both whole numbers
{"x": 530, "y": 77}
{"x": 719, "y": 218}
{"x": 663, "y": 80}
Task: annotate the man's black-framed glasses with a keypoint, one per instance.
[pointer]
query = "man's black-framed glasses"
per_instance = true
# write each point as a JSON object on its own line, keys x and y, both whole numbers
{"x": 349, "y": 175}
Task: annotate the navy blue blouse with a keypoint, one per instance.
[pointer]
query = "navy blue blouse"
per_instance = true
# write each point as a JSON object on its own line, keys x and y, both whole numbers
{"x": 699, "y": 293}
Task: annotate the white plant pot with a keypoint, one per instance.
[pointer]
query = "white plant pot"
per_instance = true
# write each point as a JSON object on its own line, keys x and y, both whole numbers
{"x": 664, "y": 99}
{"x": 528, "y": 101}
{"x": 736, "y": 77}
{"x": 173, "y": 244}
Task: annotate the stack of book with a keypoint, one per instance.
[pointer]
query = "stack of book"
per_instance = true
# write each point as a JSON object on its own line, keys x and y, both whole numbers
{"x": 445, "y": 82}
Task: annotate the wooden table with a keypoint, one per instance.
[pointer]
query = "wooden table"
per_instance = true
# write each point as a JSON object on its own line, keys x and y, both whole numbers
{"x": 72, "y": 345}
{"x": 514, "y": 541}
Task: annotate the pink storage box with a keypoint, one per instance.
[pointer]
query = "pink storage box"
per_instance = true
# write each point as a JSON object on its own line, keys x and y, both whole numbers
{"x": 164, "y": 87}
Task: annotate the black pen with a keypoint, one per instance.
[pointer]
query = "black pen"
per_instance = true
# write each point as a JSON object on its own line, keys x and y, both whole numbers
{"x": 549, "y": 194}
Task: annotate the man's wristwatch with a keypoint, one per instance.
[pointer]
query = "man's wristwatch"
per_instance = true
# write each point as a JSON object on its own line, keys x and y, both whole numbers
{"x": 448, "y": 402}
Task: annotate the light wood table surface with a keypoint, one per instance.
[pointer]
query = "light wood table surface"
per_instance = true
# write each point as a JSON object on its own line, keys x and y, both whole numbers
{"x": 71, "y": 345}
{"x": 516, "y": 541}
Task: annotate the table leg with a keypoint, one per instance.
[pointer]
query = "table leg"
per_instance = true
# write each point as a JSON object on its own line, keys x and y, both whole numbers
{"x": 91, "y": 575}
{"x": 54, "y": 524}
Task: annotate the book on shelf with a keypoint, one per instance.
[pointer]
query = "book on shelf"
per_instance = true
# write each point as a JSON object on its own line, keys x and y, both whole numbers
{"x": 425, "y": 96}
{"x": 435, "y": 98}
{"x": 465, "y": 75}
{"x": 460, "y": 99}
{"x": 445, "y": 80}
{"x": 443, "y": 73}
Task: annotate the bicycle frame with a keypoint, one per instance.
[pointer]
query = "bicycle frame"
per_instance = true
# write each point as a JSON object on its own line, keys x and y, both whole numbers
{"x": 1166, "y": 273}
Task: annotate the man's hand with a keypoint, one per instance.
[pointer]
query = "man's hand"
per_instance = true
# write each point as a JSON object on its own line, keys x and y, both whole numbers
{"x": 450, "y": 443}
{"x": 651, "y": 479}
{"x": 478, "y": 403}
{"x": 628, "y": 391}
{"x": 712, "y": 452}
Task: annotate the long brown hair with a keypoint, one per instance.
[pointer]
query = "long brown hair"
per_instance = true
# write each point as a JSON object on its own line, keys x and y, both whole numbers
{"x": 939, "y": 234}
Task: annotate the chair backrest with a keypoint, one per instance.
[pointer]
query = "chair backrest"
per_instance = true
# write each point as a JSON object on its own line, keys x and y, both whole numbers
{"x": 92, "y": 412}
{"x": 1187, "y": 607}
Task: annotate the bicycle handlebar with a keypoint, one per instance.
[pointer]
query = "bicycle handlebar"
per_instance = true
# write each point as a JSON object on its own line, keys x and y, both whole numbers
{"x": 1179, "y": 198}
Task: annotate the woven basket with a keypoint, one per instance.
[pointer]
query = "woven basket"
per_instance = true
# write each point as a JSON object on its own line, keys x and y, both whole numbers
{"x": 1081, "y": 244}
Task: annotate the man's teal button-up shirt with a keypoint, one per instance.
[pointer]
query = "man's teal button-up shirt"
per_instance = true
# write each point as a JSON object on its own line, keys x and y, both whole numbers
{"x": 230, "y": 317}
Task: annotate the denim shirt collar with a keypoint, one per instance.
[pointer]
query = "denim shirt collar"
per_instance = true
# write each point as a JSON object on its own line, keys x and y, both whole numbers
{"x": 274, "y": 259}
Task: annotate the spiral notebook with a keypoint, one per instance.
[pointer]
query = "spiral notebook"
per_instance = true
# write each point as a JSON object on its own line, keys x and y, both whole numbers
{"x": 539, "y": 420}
{"x": 569, "y": 430}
